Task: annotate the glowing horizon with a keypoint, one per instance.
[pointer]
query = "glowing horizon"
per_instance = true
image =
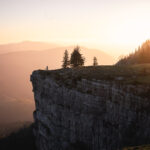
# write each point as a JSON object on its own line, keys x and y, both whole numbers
{"x": 114, "y": 26}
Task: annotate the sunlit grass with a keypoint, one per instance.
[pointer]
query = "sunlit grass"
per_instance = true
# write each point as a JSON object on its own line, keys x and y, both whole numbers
{"x": 127, "y": 74}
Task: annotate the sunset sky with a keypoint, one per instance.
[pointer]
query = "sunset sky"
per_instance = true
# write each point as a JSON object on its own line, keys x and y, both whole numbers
{"x": 114, "y": 26}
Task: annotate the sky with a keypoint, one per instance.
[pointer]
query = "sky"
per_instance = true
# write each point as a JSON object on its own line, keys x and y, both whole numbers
{"x": 114, "y": 26}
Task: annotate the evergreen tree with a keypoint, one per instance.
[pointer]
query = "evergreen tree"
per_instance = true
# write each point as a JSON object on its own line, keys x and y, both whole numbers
{"x": 76, "y": 59}
{"x": 95, "y": 63}
{"x": 140, "y": 56}
{"x": 65, "y": 60}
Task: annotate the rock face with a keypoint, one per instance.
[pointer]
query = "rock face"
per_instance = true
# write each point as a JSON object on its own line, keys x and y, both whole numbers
{"x": 92, "y": 115}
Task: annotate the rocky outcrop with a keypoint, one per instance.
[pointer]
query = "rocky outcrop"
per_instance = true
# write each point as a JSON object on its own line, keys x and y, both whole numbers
{"x": 90, "y": 115}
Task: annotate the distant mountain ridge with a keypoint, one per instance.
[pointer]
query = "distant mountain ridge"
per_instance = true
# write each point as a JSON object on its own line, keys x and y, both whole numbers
{"x": 16, "y": 97}
{"x": 26, "y": 46}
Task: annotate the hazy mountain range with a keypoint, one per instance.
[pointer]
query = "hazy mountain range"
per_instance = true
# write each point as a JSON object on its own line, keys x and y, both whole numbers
{"x": 17, "y": 61}
{"x": 26, "y": 46}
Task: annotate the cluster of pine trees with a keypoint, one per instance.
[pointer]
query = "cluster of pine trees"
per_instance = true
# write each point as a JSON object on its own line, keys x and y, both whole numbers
{"x": 76, "y": 59}
{"x": 140, "y": 56}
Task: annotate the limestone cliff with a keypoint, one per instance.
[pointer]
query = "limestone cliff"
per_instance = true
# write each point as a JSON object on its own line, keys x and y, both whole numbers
{"x": 74, "y": 113}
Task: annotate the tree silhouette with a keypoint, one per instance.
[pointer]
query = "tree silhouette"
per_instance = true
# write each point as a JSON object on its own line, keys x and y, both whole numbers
{"x": 65, "y": 60}
{"x": 140, "y": 56}
{"x": 76, "y": 58}
{"x": 95, "y": 63}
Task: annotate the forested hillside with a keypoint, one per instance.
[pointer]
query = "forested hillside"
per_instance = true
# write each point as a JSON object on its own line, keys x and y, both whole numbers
{"x": 140, "y": 56}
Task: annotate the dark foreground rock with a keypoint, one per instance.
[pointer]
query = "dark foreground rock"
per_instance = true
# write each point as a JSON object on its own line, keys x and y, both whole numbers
{"x": 19, "y": 139}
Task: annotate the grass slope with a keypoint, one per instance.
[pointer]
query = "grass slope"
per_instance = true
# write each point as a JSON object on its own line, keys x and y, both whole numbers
{"x": 127, "y": 74}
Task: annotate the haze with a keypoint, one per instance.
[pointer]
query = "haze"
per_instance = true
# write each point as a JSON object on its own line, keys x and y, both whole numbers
{"x": 115, "y": 26}
{"x": 17, "y": 61}
{"x": 103, "y": 28}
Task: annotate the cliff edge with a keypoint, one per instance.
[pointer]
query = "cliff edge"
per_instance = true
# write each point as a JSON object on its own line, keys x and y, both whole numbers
{"x": 90, "y": 109}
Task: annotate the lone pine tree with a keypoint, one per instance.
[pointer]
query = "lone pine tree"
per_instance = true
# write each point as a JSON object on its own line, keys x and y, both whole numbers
{"x": 65, "y": 60}
{"x": 95, "y": 63}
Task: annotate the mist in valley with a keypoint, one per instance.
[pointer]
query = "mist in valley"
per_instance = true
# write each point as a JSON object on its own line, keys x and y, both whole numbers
{"x": 16, "y": 97}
